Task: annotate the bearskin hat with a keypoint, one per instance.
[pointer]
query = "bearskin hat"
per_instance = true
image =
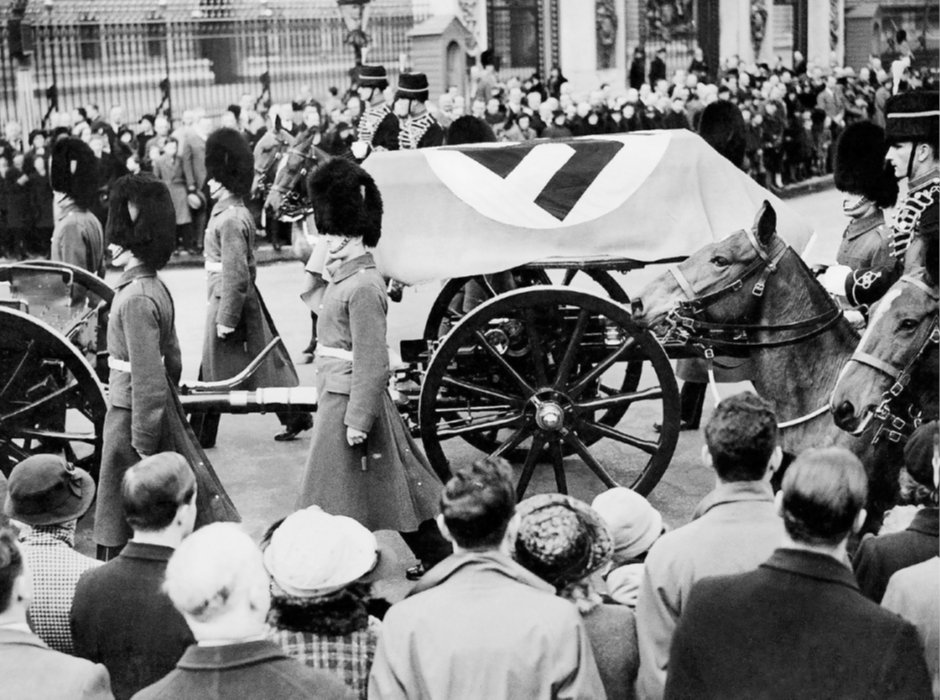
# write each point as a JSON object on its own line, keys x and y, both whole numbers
{"x": 152, "y": 237}
{"x": 913, "y": 116}
{"x": 412, "y": 86}
{"x": 229, "y": 161}
{"x": 860, "y": 166}
{"x": 74, "y": 171}
{"x": 346, "y": 201}
{"x": 722, "y": 127}
{"x": 469, "y": 129}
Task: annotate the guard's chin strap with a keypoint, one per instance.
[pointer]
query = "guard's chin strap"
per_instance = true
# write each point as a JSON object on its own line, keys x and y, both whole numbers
{"x": 910, "y": 161}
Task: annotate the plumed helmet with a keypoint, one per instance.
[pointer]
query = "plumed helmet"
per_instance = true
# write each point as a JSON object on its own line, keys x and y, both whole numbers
{"x": 346, "y": 201}
{"x": 913, "y": 116}
{"x": 469, "y": 129}
{"x": 722, "y": 127}
{"x": 373, "y": 76}
{"x": 74, "y": 171}
{"x": 412, "y": 86}
{"x": 860, "y": 166}
{"x": 152, "y": 236}
{"x": 229, "y": 161}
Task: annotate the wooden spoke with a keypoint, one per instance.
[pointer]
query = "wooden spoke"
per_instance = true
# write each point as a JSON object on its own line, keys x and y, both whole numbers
{"x": 652, "y": 393}
{"x": 17, "y": 369}
{"x": 571, "y": 352}
{"x": 481, "y": 390}
{"x": 512, "y": 442}
{"x": 588, "y": 378}
{"x": 57, "y": 435}
{"x": 40, "y": 403}
{"x": 494, "y": 424}
{"x": 501, "y": 361}
{"x": 648, "y": 446}
{"x": 558, "y": 465}
{"x": 569, "y": 276}
{"x": 536, "y": 350}
{"x": 592, "y": 464}
{"x": 538, "y": 442}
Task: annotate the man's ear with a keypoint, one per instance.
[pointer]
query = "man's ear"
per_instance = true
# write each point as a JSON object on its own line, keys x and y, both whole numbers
{"x": 859, "y": 521}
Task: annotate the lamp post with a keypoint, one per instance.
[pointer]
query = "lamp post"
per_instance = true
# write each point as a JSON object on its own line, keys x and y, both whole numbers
{"x": 52, "y": 92}
{"x": 355, "y": 17}
{"x": 165, "y": 83}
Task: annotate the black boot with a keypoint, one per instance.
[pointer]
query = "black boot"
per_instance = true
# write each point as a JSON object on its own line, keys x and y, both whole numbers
{"x": 691, "y": 401}
{"x": 294, "y": 424}
{"x": 429, "y": 547}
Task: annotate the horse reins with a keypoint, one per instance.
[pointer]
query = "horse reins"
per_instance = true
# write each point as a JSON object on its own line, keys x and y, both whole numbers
{"x": 684, "y": 322}
{"x": 891, "y": 425}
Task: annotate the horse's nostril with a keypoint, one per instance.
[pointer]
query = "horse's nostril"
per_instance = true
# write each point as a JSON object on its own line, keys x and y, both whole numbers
{"x": 843, "y": 413}
{"x": 637, "y": 307}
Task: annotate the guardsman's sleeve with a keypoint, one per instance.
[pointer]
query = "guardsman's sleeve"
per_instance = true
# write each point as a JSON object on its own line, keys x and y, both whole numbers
{"x": 864, "y": 287}
{"x": 236, "y": 277}
{"x": 367, "y": 327}
{"x": 149, "y": 386}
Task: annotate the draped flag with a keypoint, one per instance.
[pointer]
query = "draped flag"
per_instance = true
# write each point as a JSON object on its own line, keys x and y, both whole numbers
{"x": 650, "y": 197}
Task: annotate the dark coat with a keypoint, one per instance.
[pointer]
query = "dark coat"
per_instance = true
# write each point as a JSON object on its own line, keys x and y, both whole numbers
{"x": 19, "y": 213}
{"x": 796, "y": 627}
{"x": 29, "y": 669}
{"x": 40, "y": 199}
{"x": 878, "y": 558}
{"x": 121, "y": 618}
{"x": 144, "y": 415}
{"x": 657, "y": 71}
{"x": 244, "y": 671}
{"x": 397, "y": 490}
{"x": 234, "y": 301}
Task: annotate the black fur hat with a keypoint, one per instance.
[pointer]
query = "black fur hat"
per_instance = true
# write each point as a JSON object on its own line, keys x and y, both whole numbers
{"x": 152, "y": 237}
{"x": 860, "y": 166}
{"x": 229, "y": 161}
{"x": 469, "y": 129}
{"x": 346, "y": 201}
{"x": 74, "y": 171}
{"x": 722, "y": 127}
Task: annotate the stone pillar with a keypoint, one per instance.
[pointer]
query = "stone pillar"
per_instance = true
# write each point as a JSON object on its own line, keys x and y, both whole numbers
{"x": 577, "y": 43}
{"x": 819, "y": 49}
{"x": 735, "y": 38}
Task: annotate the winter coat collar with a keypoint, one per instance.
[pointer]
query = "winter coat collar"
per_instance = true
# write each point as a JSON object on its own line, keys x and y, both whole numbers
{"x": 490, "y": 561}
{"x": 229, "y": 655}
{"x": 734, "y": 492}
{"x": 350, "y": 267}
{"x": 813, "y": 565}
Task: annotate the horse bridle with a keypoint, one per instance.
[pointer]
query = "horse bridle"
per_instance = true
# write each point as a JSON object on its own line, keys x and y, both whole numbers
{"x": 891, "y": 425}
{"x": 684, "y": 321}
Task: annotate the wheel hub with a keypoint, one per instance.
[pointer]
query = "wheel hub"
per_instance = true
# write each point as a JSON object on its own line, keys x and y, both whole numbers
{"x": 550, "y": 416}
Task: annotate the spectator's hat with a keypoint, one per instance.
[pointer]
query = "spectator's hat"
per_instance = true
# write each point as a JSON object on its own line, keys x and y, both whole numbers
{"x": 633, "y": 523}
{"x": 346, "y": 201}
{"x": 152, "y": 235}
{"x": 373, "y": 76}
{"x": 312, "y": 553}
{"x": 469, "y": 129}
{"x": 560, "y": 539}
{"x": 912, "y": 116}
{"x": 487, "y": 58}
{"x": 44, "y": 489}
{"x": 919, "y": 455}
{"x": 229, "y": 161}
{"x": 74, "y": 171}
{"x": 149, "y": 118}
{"x": 860, "y": 166}
{"x": 34, "y": 133}
{"x": 412, "y": 86}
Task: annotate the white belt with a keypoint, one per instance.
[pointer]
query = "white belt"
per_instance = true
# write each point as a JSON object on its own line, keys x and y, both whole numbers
{"x": 338, "y": 353}
{"x": 213, "y": 266}
{"x": 119, "y": 365}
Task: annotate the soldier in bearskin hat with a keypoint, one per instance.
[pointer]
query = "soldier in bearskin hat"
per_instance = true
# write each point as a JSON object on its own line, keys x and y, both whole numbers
{"x": 238, "y": 325}
{"x": 143, "y": 416}
{"x": 416, "y": 127}
{"x": 77, "y": 238}
{"x": 378, "y": 127}
{"x": 363, "y": 462}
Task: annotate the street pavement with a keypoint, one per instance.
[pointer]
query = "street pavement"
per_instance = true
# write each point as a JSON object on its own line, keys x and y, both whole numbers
{"x": 263, "y": 476}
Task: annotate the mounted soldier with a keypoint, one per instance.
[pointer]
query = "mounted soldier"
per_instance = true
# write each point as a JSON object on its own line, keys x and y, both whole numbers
{"x": 378, "y": 127}
{"x": 416, "y": 127}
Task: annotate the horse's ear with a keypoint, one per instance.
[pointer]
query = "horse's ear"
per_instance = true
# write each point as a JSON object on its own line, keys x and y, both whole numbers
{"x": 765, "y": 224}
{"x": 277, "y": 123}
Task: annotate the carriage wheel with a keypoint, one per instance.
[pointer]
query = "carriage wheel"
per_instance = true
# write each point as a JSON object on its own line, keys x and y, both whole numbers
{"x": 50, "y": 398}
{"x": 449, "y": 308}
{"x": 528, "y": 369}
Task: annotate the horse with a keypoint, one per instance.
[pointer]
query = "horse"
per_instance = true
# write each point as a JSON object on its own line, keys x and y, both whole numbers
{"x": 268, "y": 153}
{"x": 751, "y": 293}
{"x": 286, "y": 197}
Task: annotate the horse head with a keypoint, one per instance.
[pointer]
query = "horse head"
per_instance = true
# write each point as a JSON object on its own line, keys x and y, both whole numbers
{"x": 300, "y": 159}
{"x": 714, "y": 273}
{"x": 268, "y": 152}
{"x": 896, "y": 355}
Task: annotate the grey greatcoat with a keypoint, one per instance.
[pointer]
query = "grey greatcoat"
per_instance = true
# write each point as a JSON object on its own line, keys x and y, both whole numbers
{"x": 234, "y": 302}
{"x": 397, "y": 490}
{"x": 144, "y": 415}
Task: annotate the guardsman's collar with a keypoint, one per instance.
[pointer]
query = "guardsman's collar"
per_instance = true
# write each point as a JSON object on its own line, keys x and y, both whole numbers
{"x": 351, "y": 267}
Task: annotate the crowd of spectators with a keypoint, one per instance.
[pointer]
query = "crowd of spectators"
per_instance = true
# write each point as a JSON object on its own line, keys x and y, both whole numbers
{"x": 551, "y": 597}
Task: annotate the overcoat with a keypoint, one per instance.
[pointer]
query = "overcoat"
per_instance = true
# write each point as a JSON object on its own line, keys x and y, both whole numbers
{"x": 170, "y": 171}
{"x": 388, "y": 484}
{"x": 234, "y": 301}
{"x": 144, "y": 414}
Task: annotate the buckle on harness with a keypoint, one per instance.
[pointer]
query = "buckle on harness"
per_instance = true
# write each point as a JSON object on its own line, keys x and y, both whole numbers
{"x": 758, "y": 290}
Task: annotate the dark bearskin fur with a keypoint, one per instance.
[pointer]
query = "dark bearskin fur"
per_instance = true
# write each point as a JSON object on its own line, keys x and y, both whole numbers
{"x": 229, "y": 161}
{"x": 860, "y": 166}
{"x": 346, "y": 201}
{"x": 82, "y": 185}
{"x": 722, "y": 127}
{"x": 469, "y": 129}
{"x": 152, "y": 237}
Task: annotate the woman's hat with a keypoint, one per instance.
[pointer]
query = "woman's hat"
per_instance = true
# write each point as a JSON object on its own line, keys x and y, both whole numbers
{"x": 44, "y": 489}
{"x": 919, "y": 454}
{"x": 634, "y": 524}
{"x": 313, "y": 553}
{"x": 560, "y": 539}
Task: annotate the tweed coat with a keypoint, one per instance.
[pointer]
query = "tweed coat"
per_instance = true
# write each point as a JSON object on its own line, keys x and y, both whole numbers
{"x": 29, "y": 670}
{"x": 397, "y": 490}
{"x": 144, "y": 415}
{"x": 797, "y": 627}
{"x": 234, "y": 301}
